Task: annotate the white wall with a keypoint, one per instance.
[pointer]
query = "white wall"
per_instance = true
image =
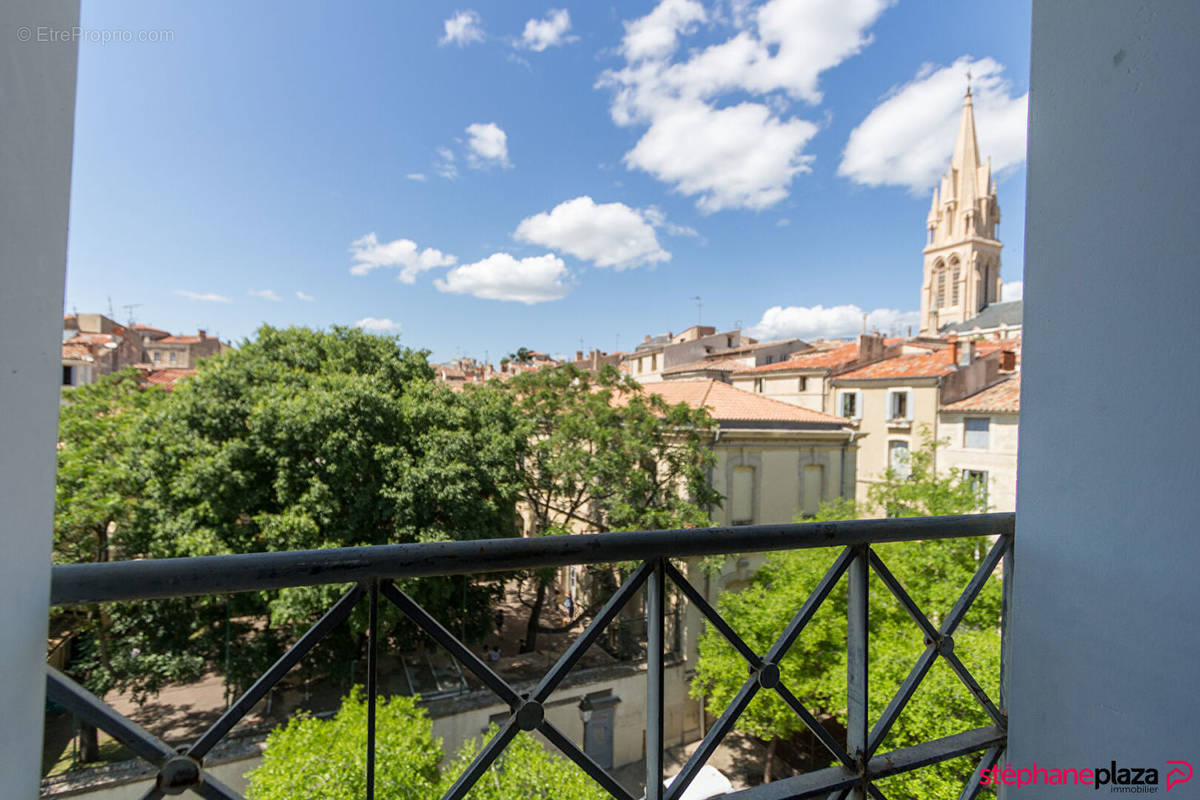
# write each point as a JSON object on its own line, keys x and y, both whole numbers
{"x": 1106, "y": 642}
{"x": 37, "y": 98}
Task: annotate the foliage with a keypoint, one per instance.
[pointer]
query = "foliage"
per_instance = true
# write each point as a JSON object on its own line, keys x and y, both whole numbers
{"x": 602, "y": 455}
{"x": 311, "y": 758}
{"x": 298, "y": 439}
{"x": 315, "y": 759}
{"x": 933, "y": 572}
{"x": 526, "y": 769}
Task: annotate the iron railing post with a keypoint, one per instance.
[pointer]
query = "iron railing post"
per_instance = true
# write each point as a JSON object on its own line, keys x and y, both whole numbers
{"x": 654, "y": 681}
{"x": 372, "y": 683}
{"x": 856, "y": 662}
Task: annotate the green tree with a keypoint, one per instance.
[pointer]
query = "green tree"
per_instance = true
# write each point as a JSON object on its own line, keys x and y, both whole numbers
{"x": 602, "y": 455}
{"x": 933, "y": 572}
{"x": 312, "y": 759}
{"x": 300, "y": 439}
{"x": 326, "y": 759}
{"x": 526, "y": 769}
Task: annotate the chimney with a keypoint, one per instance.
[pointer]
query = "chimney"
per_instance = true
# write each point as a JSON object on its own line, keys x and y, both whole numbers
{"x": 1008, "y": 360}
{"x": 579, "y": 355}
{"x": 203, "y": 335}
{"x": 647, "y": 338}
{"x": 953, "y": 340}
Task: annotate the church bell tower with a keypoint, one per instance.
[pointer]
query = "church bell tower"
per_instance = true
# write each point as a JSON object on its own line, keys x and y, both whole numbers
{"x": 962, "y": 253}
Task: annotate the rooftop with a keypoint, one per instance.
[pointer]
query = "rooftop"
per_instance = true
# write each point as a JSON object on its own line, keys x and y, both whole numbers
{"x": 997, "y": 314}
{"x": 1000, "y": 398}
{"x": 728, "y": 404}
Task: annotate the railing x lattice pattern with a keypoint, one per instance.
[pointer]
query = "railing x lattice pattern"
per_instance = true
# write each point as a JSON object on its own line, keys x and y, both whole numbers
{"x": 373, "y": 571}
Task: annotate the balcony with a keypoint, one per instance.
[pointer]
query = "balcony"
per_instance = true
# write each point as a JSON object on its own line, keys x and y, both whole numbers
{"x": 858, "y": 764}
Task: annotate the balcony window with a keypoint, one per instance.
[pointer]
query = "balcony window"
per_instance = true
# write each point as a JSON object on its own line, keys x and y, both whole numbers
{"x": 741, "y": 498}
{"x": 898, "y": 406}
{"x": 849, "y": 405}
{"x": 898, "y": 457}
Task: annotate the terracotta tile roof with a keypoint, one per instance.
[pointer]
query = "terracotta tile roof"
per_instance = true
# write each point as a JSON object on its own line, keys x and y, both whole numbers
{"x": 822, "y": 359}
{"x": 167, "y": 378}
{"x": 151, "y": 329}
{"x": 929, "y": 365}
{"x": 95, "y": 338}
{"x": 728, "y": 404}
{"x": 179, "y": 340}
{"x": 1002, "y": 398}
{"x": 77, "y": 351}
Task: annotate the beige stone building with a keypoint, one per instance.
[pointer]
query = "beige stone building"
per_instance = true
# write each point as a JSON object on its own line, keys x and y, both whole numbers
{"x": 180, "y": 352}
{"x": 804, "y": 379}
{"x": 981, "y": 431}
{"x": 894, "y": 400}
{"x": 702, "y": 352}
{"x": 962, "y": 251}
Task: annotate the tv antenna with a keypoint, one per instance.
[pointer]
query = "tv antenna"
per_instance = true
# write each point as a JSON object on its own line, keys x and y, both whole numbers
{"x": 128, "y": 309}
{"x": 699, "y": 309}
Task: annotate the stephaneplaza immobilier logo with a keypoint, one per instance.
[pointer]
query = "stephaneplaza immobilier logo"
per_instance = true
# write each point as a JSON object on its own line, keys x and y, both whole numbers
{"x": 1127, "y": 780}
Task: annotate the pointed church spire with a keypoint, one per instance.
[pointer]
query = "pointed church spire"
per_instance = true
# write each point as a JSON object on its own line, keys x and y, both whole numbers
{"x": 965, "y": 163}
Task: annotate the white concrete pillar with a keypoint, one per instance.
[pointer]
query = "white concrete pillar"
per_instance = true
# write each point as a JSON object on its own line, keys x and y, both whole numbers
{"x": 1106, "y": 653}
{"x": 37, "y": 101}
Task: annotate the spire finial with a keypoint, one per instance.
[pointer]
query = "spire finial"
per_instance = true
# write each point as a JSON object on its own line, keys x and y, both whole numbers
{"x": 968, "y": 82}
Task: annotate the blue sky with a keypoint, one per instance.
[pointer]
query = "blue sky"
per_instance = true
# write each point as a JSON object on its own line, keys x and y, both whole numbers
{"x": 490, "y": 175}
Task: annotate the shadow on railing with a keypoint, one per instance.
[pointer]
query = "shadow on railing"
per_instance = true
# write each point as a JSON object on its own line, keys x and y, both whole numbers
{"x": 373, "y": 569}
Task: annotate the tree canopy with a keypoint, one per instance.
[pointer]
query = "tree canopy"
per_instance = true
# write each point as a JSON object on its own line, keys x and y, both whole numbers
{"x": 933, "y": 572}
{"x": 602, "y": 455}
{"x": 314, "y": 759}
{"x": 297, "y": 439}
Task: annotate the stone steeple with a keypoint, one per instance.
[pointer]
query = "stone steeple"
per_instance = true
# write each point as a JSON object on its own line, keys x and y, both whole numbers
{"x": 962, "y": 253}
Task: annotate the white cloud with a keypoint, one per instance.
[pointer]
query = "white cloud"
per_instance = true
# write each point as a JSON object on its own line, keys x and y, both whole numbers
{"x": 444, "y": 164}
{"x": 463, "y": 28}
{"x": 656, "y": 35}
{"x": 549, "y": 32}
{"x": 782, "y": 222}
{"x": 658, "y": 219}
{"x": 487, "y": 145}
{"x": 308, "y": 298}
{"x": 743, "y": 155}
{"x": 608, "y": 235}
{"x": 203, "y": 297}
{"x": 416, "y": 176}
{"x": 265, "y": 294}
{"x": 1013, "y": 290}
{"x": 369, "y": 253}
{"x": 502, "y": 277}
{"x": 377, "y": 324}
{"x": 804, "y": 322}
{"x": 907, "y": 139}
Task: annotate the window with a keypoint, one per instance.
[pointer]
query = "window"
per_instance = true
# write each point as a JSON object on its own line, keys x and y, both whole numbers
{"x": 172, "y": 359}
{"x": 741, "y": 506}
{"x": 814, "y": 479}
{"x": 975, "y": 432}
{"x": 770, "y": 359}
{"x": 940, "y": 300}
{"x": 898, "y": 457}
{"x": 654, "y": 363}
{"x": 801, "y": 384}
{"x": 898, "y": 406}
{"x": 641, "y": 366}
{"x": 954, "y": 286}
{"x": 155, "y": 356}
{"x": 68, "y": 376}
{"x": 848, "y": 405}
{"x": 979, "y": 480}
{"x": 758, "y": 385}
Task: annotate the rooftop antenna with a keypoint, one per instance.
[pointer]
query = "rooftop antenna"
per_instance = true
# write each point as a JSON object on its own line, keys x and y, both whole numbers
{"x": 111, "y": 314}
{"x": 864, "y": 323}
{"x": 699, "y": 308}
{"x": 128, "y": 309}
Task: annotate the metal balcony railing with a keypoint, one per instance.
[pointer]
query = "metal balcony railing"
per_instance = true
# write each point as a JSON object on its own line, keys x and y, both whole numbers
{"x": 373, "y": 569}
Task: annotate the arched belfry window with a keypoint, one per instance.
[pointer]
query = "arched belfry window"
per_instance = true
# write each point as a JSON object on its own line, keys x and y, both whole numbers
{"x": 955, "y": 275}
{"x": 939, "y": 299}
